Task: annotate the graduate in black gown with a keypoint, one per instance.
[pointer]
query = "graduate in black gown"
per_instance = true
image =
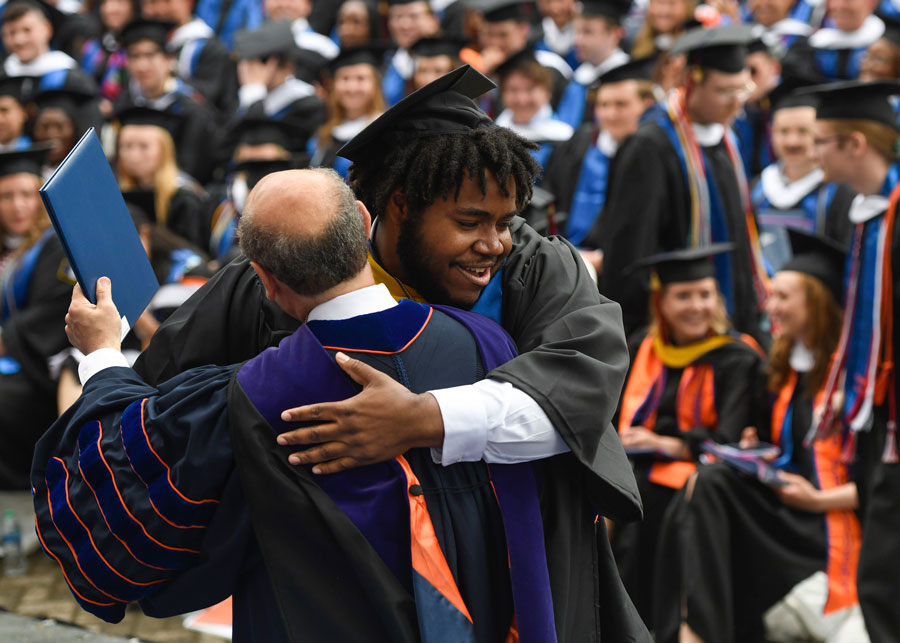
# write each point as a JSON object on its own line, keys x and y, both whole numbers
{"x": 404, "y": 550}
{"x": 691, "y": 380}
{"x": 856, "y": 136}
{"x": 699, "y": 192}
{"x": 542, "y": 295}
{"x": 746, "y": 544}
{"x": 36, "y": 282}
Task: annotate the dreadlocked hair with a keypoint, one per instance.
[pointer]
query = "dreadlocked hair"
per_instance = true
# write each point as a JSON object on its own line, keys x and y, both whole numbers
{"x": 428, "y": 168}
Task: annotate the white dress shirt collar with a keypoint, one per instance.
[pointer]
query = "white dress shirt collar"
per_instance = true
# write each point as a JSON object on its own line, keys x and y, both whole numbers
{"x": 371, "y": 299}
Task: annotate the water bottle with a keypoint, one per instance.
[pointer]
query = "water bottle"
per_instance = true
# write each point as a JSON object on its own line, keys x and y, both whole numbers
{"x": 13, "y": 558}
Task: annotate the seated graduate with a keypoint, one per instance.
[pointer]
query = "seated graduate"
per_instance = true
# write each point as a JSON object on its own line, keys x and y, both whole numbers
{"x": 664, "y": 21}
{"x": 60, "y": 119}
{"x": 558, "y": 28}
{"x": 297, "y": 13}
{"x": 564, "y": 329}
{"x": 13, "y": 115}
{"x": 835, "y": 53}
{"x": 433, "y": 57}
{"x": 357, "y": 23}
{"x": 403, "y": 550}
{"x": 578, "y": 170}
{"x": 153, "y": 85}
{"x": 258, "y": 147}
{"x": 36, "y": 284}
{"x": 882, "y": 59}
{"x": 779, "y": 562}
{"x": 103, "y": 58}
{"x": 145, "y": 160}
{"x": 354, "y": 101}
{"x": 525, "y": 90}
{"x": 691, "y": 380}
{"x": 598, "y": 34}
{"x": 753, "y": 123}
{"x": 268, "y": 85}
{"x": 407, "y": 21}
{"x": 782, "y": 22}
{"x": 792, "y": 192}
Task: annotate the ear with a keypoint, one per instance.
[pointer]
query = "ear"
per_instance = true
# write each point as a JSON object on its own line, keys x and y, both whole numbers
{"x": 396, "y": 208}
{"x": 857, "y": 143}
{"x": 367, "y": 218}
{"x": 269, "y": 282}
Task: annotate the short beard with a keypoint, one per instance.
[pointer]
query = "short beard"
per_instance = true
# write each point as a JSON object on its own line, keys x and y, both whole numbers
{"x": 413, "y": 257}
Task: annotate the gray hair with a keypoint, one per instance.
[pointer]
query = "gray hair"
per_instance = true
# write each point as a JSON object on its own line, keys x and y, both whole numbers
{"x": 310, "y": 265}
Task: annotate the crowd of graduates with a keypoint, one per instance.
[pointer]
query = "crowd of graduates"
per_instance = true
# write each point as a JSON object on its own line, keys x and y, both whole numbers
{"x": 716, "y": 165}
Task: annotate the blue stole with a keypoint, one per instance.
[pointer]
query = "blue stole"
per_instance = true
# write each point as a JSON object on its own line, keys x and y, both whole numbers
{"x": 490, "y": 301}
{"x": 342, "y": 166}
{"x": 386, "y": 483}
{"x": 718, "y": 223}
{"x": 393, "y": 85}
{"x": 590, "y": 194}
{"x": 828, "y": 60}
{"x": 16, "y": 278}
{"x": 569, "y": 57}
{"x": 572, "y": 104}
{"x": 541, "y": 154}
{"x": 889, "y": 9}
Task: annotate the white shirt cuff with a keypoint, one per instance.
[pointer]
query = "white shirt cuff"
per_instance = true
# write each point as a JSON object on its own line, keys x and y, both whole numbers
{"x": 495, "y": 422}
{"x": 251, "y": 93}
{"x": 99, "y": 360}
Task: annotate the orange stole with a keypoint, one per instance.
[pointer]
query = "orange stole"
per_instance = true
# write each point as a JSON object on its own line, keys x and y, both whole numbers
{"x": 695, "y": 406}
{"x": 841, "y": 526}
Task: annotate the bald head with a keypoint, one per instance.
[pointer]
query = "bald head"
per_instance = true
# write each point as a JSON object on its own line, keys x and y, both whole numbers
{"x": 305, "y": 228}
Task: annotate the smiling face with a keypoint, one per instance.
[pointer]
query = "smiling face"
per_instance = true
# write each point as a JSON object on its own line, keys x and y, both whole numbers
{"x": 688, "y": 309}
{"x": 20, "y": 203}
{"x": 619, "y": 107}
{"x": 792, "y": 135}
{"x": 523, "y": 96}
{"x": 56, "y": 127}
{"x": 787, "y": 306}
{"x": 115, "y": 14}
{"x": 719, "y": 97}
{"x": 354, "y": 89}
{"x": 27, "y": 37}
{"x": 449, "y": 252}
{"x": 411, "y": 21}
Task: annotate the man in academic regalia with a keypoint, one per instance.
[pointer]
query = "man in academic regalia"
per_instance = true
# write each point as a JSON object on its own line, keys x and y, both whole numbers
{"x": 433, "y": 57}
{"x": 408, "y": 21}
{"x": 152, "y": 85}
{"x": 269, "y": 88}
{"x": 565, "y": 331}
{"x": 598, "y": 32}
{"x": 835, "y": 53}
{"x": 698, "y": 193}
{"x": 578, "y": 171}
{"x": 12, "y": 115}
{"x": 558, "y": 27}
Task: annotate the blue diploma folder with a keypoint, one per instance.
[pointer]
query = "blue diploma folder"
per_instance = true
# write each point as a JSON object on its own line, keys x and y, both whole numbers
{"x": 95, "y": 228}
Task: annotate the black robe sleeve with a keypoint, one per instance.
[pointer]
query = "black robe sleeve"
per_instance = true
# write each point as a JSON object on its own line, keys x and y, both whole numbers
{"x": 215, "y": 75}
{"x": 189, "y": 218}
{"x": 37, "y": 331}
{"x": 197, "y": 138}
{"x": 837, "y": 221}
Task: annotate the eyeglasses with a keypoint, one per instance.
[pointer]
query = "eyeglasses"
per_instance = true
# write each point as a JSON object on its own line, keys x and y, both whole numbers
{"x": 740, "y": 93}
{"x": 822, "y": 142}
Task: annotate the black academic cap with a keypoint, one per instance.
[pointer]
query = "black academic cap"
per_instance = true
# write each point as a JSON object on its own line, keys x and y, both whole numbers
{"x": 29, "y": 161}
{"x": 720, "y": 48}
{"x": 256, "y": 170}
{"x": 260, "y": 131}
{"x": 50, "y": 12}
{"x": 154, "y": 30}
{"x": 148, "y": 116}
{"x": 142, "y": 206}
{"x": 635, "y": 69}
{"x": 12, "y": 86}
{"x": 269, "y": 39}
{"x": 820, "y": 257}
{"x": 855, "y": 99}
{"x": 519, "y": 60}
{"x": 370, "y": 54}
{"x": 686, "y": 264}
{"x": 612, "y": 10}
{"x": 431, "y": 46}
{"x": 891, "y": 28}
{"x": 503, "y": 10}
{"x": 68, "y": 99}
{"x": 786, "y": 95}
{"x": 443, "y": 106}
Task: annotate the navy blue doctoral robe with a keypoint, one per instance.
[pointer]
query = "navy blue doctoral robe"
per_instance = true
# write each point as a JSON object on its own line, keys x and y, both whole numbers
{"x": 152, "y": 471}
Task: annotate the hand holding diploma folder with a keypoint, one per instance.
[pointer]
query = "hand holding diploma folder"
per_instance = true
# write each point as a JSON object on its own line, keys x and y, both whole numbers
{"x": 96, "y": 230}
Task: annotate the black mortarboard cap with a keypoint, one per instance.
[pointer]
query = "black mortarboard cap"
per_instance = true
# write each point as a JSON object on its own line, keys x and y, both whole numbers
{"x": 612, "y": 10}
{"x": 443, "y": 106}
{"x": 502, "y": 10}
{"x": 68, "y": 99}
{"x": 371, "y": 54}
{"x": 154, "y": 30}
{"x": 786, "y": 95}
{"x": 891, "y": 28}
{"x": 12, "y": 86}
{"x": 269, "y": 39}
{"x": 142, "y": 206}
{"x": 147, "y": 116}
{"x": 856, "y": 99}
{"x": 29, "y": 161}
{"x": 431, "y": 46}
{"x": 686, "y": 264}
{"x": 261, "y": 131}
{"x": 721, "y": 48}
{"x": 820, "y": 257}
{"x": 635, "y": 69}
{"x": 519, "y": 60}
{"x": 257, "y": 169}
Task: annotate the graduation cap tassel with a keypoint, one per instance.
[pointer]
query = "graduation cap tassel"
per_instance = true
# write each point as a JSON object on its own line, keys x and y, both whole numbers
{"x": 848, "y": 455}
{"x": 890, "y": 445}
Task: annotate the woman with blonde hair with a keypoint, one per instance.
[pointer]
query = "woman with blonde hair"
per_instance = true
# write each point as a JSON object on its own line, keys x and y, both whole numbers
{"x": 35, "y": 287}
{"x": 354, "y": 101}
{"x": 777, "y": 560}
{"x": 146, "y": 161}
{"x": 663, "y": 23}
{"x": 691, "y": 380}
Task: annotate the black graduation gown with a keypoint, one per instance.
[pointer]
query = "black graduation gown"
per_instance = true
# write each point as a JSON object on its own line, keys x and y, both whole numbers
{"x": 742, "y": 550}
{"x": 31, "y": 336}
{"x": 305, "y": 115}
{"x": 564, "y": 331}
{"x": 188, "y": 217}
{"x": 647, "y": 210}
{"x": 341, "y": 588}
{"x": 738, "y": 400}
{"x": 214, "y": 74}
{"x": 564, "y": 166}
